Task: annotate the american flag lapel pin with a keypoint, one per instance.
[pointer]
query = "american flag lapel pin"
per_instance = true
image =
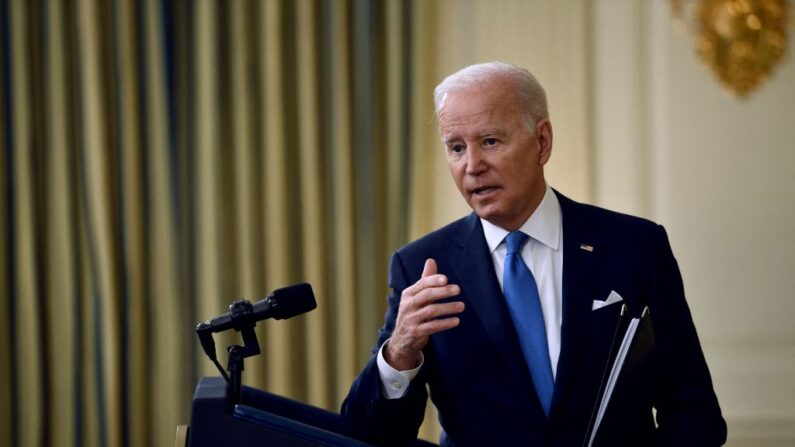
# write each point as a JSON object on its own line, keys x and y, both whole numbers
{"x": 586, "y": 247}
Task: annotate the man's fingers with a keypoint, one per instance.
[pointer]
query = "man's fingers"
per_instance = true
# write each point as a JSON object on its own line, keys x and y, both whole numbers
{"x": 432, "y": 294}
{"x": 434, "y": 311}
{"x": 415, "y": 337}
{"x": 434, "y": 326}
{"x": 414, "y": 322}
{"x": 425, "y": 296}
{"x": 429, "y": 268}
{"x": 419, "y": 314}
{"x": 433, "y": 280}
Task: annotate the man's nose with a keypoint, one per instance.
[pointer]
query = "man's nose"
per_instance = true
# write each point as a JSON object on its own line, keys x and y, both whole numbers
{"x": 476, "y": 164}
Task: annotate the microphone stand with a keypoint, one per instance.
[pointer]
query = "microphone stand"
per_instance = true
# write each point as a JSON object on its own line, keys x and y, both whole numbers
{"x": 242, "y": 316}
{"x": 235, "y": 363}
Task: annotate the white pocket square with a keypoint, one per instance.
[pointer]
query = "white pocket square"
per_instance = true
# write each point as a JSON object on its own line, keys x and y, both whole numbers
{"x": 613, "y": 298}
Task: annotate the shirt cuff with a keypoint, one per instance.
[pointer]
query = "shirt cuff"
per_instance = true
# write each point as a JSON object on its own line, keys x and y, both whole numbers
{"x": 394, "y": 383}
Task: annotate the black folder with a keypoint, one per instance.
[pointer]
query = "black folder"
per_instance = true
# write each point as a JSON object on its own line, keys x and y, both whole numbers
{"x": 633, "y": 341}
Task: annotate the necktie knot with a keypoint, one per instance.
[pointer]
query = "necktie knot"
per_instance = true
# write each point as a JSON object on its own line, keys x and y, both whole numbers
{"x": 514, "y": 242}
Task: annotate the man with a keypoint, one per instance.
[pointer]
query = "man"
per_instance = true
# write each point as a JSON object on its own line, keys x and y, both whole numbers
{"x": 508, "y": 314}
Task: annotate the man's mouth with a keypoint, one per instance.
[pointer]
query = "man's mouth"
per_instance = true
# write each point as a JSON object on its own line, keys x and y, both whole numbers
{"x": 483, "y": 190}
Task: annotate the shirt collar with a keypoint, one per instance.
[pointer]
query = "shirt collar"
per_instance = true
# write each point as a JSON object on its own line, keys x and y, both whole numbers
{"x": 544, "y": 225}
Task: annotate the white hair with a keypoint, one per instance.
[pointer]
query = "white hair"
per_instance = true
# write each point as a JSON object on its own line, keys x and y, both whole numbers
{"x": 529, "y": 93}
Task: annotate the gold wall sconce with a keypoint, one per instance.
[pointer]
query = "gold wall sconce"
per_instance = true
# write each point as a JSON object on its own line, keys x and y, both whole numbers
{"x": 741, "y": 41}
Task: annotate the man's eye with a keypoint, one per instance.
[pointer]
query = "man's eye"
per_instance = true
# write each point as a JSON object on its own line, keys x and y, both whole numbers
{"x": 490, "y": 141}
{"x": 457, "y": 148}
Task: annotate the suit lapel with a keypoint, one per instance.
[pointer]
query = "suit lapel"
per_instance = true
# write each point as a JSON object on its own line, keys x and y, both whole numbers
{"x": 472, "y": 263}
{"x": 581, "y": 255}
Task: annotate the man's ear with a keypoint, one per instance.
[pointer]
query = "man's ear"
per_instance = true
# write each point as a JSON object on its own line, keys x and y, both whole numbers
{"x": 544, "y": 140}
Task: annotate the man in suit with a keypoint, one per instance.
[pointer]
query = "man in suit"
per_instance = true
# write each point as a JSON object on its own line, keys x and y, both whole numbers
{"x": 508, "y": 315}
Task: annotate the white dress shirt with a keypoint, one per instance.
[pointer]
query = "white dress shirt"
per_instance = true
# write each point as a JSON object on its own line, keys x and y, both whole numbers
{"x": 543, "y": 254}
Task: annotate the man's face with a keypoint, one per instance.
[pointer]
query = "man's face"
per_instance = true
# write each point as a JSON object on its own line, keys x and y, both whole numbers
{"x": 496, "y": 162}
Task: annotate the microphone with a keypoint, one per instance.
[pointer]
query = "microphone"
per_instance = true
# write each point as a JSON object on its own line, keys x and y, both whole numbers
{"x": 280, "y": 304}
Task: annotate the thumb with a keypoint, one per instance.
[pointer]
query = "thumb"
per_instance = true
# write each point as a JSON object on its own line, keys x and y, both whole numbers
{"x": 430, "y": 268}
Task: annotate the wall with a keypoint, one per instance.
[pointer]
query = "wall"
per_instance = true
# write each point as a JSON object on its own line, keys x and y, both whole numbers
{"x": 725, "y": 186}
{"x": 719, "y": 173}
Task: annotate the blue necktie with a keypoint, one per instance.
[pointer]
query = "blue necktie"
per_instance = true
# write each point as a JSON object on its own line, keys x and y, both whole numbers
{"x": 521, "y": 293}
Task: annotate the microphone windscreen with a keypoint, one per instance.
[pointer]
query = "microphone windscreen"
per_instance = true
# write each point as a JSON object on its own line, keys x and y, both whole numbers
{"x": 290, "y": 301}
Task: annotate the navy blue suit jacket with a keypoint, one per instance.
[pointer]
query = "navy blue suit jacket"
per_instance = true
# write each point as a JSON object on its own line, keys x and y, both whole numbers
{"x": 476, "y": 374}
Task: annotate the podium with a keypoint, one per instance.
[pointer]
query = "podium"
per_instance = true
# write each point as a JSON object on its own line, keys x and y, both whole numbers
{"x": 224, "y": 412}
{"x": 262, "y": 419}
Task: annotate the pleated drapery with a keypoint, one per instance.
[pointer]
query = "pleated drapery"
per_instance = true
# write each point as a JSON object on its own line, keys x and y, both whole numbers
{"x": 161, "y": 159}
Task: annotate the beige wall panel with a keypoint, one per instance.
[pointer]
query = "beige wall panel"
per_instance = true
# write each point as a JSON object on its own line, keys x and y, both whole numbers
{"x": 620, "y": 118}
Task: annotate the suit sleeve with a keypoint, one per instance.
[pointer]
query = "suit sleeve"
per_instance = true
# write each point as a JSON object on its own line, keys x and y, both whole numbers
{"x": 369, "y": 415}
{"x": 687, "y": 407}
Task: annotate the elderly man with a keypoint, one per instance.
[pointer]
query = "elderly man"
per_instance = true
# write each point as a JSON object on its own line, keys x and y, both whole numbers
{"x": 508, "y": 314}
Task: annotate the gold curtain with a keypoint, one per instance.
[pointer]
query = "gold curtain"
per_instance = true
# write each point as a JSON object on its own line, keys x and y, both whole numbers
{"x": 161, "y": 159}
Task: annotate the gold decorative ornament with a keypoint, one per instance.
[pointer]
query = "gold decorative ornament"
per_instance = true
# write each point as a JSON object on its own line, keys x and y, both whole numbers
{"x": 741, "y": 41}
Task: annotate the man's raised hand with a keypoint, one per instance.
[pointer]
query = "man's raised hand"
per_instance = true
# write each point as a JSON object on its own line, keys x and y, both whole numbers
{"x": 419, "y": 316}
